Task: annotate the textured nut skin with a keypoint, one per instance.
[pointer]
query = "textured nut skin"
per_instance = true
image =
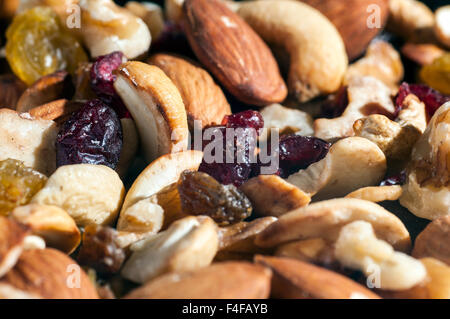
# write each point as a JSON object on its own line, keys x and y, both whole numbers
{"x": 12, "y": 236}
{"x": 90, "y": 194}
{"x": 325, "y": 220}
{"x": 188, "y": 244}
{"x": 351, "y": 163}
{"x": 11, "y": 88}
{"x": 434, "y": 241}
{"x": 46, "y": 274}
{"x": 318, "y": 59}
{"x": 229, "y": 280}
{"x": 233, "y": 52}
{"x": 294, "y": 279}
{"x": 202, "y": 97}
{"x": 273, "y": 196}
{"x": 426, "y": 193}
{"x": 29, "y": 140}
{"x": 52, "y": 223}
{"x": 58, "y": 110}
{"x": 357, "y": 247}
{"x": 47, "y": 89}
{"x": 157, "y": 107}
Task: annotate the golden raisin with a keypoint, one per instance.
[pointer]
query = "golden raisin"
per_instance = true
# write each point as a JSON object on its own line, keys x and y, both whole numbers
{"x": 437, "y": 74}
{"x": 38, "y": 44}
{"x": 201, "y": 194}
{"x": 18, "y": 184}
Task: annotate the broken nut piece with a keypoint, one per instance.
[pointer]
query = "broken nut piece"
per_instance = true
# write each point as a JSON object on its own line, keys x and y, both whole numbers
{"x": 377, "y": 193}
{"x": 434, "y": 241}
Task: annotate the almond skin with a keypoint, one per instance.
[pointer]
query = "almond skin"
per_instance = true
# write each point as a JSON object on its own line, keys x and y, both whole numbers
{"x": 47, "y": 274}
{"x": 229, "y": 280}
{"x": 203, "y": 99}
{"x": 294, "y": 279}
{"x": 233, "y": 52}
{"x": 434, "y": 241}
{"x": 12, "y": 236}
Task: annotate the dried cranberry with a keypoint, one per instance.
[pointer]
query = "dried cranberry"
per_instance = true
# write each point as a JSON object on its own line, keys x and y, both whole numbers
{"x": 432, "y": 98}
{"x": 399, "y": 179}
{"x": 298, "y": 152}
{"x": 92, "y": 135}
{"x": 337, "y": 105}
{"x": 245, "y": 119}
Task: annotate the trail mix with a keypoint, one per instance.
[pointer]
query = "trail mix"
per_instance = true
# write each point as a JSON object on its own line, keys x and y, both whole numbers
{"x": 224, "y": 149}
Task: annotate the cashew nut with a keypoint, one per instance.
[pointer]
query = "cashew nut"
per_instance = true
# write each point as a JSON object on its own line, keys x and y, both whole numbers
{"x": 377, "y": 193}
{"x": 91, "y": 194}
{"x": 188, "y": 244}
{"x": 130, "y": 146}
{"x": 357, "y": 247}
{"x": 366, "y": 96}
{"x": 427, "y": 191}
{"x": 157, "y": 107}
{"x": 325, "y": 220}
{"x": 351, "y": 163}
{"x": 318, "y": 59}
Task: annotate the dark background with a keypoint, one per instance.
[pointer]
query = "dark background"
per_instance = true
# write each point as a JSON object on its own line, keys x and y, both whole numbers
{"x": 433, "y": 4}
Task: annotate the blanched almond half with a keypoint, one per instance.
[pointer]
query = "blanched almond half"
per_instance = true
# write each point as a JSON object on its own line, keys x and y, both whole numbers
{"x": 157, "y": 107}
{"x": 52, "y": 223}
{"x": 49, "y": 274}
{"x": 12, "y": 236}
{"x": 90, "y": 194}
{"x": 294, "y": 279}
{"x": 29, "y": 140}
{"x": 229, "y": 280}
{"x": 188, "y": 244}
{"x": 273, "y": 196}
{"x": 325, "y": 220}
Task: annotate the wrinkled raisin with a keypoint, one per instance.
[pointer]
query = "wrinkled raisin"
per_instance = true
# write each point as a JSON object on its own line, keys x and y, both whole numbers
{"x": 38, "y": 44}
{"x": 93, "y": 135}
{"x": 18, "y": 184}
{"x": 201, "y": 194}
{"x": 100, "y": 249}
{"x": 431, "y": 98}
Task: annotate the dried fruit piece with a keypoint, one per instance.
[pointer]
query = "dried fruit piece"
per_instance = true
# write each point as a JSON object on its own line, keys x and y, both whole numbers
{"x": 399, "y": 179}
{"x": 93, "y": 135}
{"x": 432, "y": 98}
{"x": 437, "y": 74}
{"x": 18, "y": 184}
{"x": 100, "y": 249}
{"x": 202, "y": 195}
{"x": 37, "y": 44}
{"x": 102, "y": 77}
{"x": 245, "y": 119}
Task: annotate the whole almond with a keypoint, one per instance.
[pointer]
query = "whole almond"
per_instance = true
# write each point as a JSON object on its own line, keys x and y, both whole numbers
{"x": 50, "y": 274}
{"x": 294, "y": 279}
{"x": 12, "y": 236}
{"x": 203, "y": 99}
{"x": 434, "y": 241}
{"x": 229, "y": 280}
{"x": 233, "y": 52}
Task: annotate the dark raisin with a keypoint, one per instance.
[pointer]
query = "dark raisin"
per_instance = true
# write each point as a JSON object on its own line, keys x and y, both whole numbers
{"x": 100, "y": 250}
{"x": 245, "y": 119}
{"x": 298, "y": 152}
{"x": 93, "y": 135}
{"x": 431, "y": 98}
{"x": 399, "y": 179}
{"x": 201, "y": 194}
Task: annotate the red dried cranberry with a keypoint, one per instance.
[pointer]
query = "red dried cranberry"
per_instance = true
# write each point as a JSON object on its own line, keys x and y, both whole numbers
{"x": 298, "y": 152}
{"x": 399, "y": 179}
{"x": 337, "y": 105}
{"x": 432, "y": 98}
{"x": 92, "y": 135}
{"x": 245, "y": 119}
{"x": 102, "y": 77}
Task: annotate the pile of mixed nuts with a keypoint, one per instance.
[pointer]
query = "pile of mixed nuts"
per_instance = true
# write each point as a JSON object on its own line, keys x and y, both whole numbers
{"x": 224, "y": 149}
